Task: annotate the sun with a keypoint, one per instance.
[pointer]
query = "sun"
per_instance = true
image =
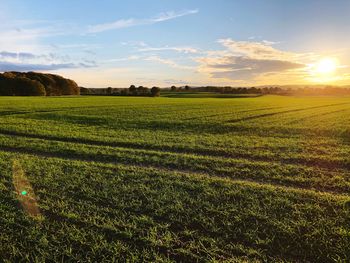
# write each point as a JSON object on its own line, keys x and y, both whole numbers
{"x": 324, "y": 71}
{"x": 326, "y": 66}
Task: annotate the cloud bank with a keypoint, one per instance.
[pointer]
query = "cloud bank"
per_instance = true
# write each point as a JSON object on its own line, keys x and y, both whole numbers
{"x": 22, "y": 67}
{"x": 24, "y": 61}
{"x": 248, "y": 61}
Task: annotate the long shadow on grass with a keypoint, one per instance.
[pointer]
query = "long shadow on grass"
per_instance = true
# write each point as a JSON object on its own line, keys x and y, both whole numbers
{"x": 282, "y": 112}
{"x": 232, "y": 112}
{"x": 327, "y": 164}
{"x": 153, "y": 162}
{"x": 190, "y": 126}
{"x": 215, "y": 128}
{"x": 314, "y": 162}
{"x": 317, "y": 115}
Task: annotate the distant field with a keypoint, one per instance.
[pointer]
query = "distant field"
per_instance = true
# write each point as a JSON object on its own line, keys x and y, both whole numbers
{"x": 175, "y": 179}
{"x": 205, "y": 95}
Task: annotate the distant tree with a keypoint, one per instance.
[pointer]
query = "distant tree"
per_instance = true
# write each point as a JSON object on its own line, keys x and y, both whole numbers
{"x": 253, "y": 90}
{"x": 155, "y": 92}
{"x": 187, "y": 88}
{"x": 109, "y": 91}
{"x": 132, "y": 90}
{"x": 85, "y": 91}
{"x": 141, "y": 90}
{"x": 244, "y": 91}
{"x": 227, "y": 89}
{"x": 173, "y": 88}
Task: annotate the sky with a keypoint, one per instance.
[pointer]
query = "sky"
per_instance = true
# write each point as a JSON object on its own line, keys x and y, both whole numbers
{"x": 180, "y": 42}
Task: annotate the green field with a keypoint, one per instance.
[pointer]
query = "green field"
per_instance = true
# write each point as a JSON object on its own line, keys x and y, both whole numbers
{"x": 176, "y": 179}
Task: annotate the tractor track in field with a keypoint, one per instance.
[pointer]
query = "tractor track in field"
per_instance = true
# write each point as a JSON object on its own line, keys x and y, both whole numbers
{"x": 63, "y": 109}
{"x": 282, "y": 112}
{"x": 230, "y": 113}
{"x": 175, "y": 169}
{"x": 11, "y": 113}
{"x": 317, "y": 115}
{"x": 319, "y": 163}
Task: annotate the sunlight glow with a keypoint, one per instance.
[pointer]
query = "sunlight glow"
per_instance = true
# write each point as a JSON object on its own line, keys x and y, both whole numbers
{"x": 326, "y": 66}
{"x": 324, "y": 71}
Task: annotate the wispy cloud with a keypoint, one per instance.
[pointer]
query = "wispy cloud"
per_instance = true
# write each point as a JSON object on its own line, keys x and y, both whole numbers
{"x": 259, "y": 50}
{"x": 168, "y": 62}
{"x": 141, "y": 46}
{"x": 129, "y": 58}
{"x": 176, "y": 82}
{"x": 131, "y": 22}
{"x": 151, "y": 58}
{"x": 185, "y": 50}
{"x": 172, "y": 14}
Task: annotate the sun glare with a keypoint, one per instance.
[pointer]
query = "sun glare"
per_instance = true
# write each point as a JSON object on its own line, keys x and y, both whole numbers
{"x": 324, "y": 71}
{"x": 326, "y": 66}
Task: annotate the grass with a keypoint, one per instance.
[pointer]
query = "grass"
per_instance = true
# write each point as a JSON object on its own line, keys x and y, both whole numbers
{"x": 175, "y": 179}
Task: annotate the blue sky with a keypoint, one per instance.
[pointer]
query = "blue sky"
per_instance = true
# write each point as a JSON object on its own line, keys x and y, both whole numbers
{"x": 224, "y": 42}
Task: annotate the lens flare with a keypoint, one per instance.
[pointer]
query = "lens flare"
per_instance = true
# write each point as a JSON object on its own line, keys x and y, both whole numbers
{"x": 23, "y": 187}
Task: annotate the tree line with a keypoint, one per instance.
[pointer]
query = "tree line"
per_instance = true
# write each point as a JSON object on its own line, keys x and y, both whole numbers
{"x": 275, "y": 90}
{"x": 131, "y": 91}
{"x": 36, "y": 84}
